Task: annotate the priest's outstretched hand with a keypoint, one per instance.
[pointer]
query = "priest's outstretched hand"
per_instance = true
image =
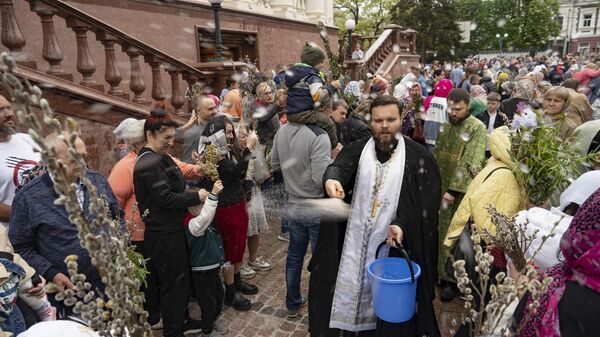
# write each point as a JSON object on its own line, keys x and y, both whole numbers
{"x": 334, "y": 189}
{"x": 395, "y": 234}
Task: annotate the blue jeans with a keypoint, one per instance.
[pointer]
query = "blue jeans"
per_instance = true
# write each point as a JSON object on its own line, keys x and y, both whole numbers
{"x": 304, "y": 229}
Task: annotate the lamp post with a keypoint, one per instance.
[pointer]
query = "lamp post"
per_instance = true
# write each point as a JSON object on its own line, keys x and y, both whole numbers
{"x": 501, "y": 37}
{"x": 216, "y": 6}
{"x": 350, "y": 25}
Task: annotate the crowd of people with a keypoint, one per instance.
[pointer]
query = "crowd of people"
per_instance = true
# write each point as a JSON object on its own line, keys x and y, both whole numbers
{"x": 412, "y": 160}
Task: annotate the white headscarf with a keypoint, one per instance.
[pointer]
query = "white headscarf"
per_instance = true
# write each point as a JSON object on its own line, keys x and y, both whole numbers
{"x": 581, "y": 189}
{"x": 130, "y": 130}
{"x": 402, "y": 89}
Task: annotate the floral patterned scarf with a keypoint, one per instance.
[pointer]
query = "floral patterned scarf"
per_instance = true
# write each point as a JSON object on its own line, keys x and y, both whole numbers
{"x": 580, "y": 246}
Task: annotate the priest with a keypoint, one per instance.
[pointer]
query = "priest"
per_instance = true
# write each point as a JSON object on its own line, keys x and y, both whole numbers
{"x": 394, "y": 187}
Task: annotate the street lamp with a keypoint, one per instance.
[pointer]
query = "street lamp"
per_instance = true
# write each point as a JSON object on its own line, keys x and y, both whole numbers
{"x": 501, "y": 37}
{"x": 216, "y": 6}
{"x": 350, "y": 25}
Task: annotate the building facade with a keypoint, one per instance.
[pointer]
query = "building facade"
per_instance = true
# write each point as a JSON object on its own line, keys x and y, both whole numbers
{"x": 580, "y": 31}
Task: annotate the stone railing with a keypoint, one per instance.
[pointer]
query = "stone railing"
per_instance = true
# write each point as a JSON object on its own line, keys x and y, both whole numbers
{"x": 393, "y": 41}
{"x": 81, "y": 23}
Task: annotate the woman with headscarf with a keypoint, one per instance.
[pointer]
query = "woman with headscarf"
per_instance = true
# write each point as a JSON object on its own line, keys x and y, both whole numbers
{"x": 540, "y": 222}
{"x": 131, "y": 132}
{"x": 524, "y": 95}
{"x": 556, "y": 102}
{"x": 413, "y": 105}
{"x": 436, "y": 113}
{"x": 232, "y": 215}
{"x": 570, "y": 306}
{"x": 478, "y": 100}
{"x": 401, "y": 90}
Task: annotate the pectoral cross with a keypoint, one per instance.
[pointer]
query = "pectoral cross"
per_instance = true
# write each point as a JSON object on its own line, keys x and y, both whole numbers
{"x": 376, "y": 205}
{"x": 374, "y": 209}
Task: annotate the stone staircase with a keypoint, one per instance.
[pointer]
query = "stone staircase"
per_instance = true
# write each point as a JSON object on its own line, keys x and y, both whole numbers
{"x": 136, "y": 75}
{"x": 392, "y": 53}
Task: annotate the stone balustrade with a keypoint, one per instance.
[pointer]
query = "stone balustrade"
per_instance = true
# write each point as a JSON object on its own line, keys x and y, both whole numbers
{"x": 394, "y": 41}
{"x": 85, "y": 28}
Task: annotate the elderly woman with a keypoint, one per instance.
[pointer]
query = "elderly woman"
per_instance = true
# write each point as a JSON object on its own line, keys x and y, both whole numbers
{"x": 523, "y": 95}
{"x": 478, "y": 100}
{"x": 569, "y": 307}
{"x": 131, "y": 132}
{"x": 556, "y": 102}
{"x": 159, "y": 188}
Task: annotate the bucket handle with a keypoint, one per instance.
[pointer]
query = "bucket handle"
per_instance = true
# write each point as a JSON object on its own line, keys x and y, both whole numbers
{"x": 404, "y": 254}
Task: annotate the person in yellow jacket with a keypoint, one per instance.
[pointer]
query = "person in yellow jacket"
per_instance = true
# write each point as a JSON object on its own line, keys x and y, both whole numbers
{"x": 499, "y": 189}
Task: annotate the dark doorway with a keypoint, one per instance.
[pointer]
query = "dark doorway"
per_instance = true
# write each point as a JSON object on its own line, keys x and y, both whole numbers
{"x": 237, "y": 44}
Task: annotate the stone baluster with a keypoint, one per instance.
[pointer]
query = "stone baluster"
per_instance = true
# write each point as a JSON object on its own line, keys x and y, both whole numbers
{"x": 136, "y": 83}
{"x": 158, "y": 92}
{"x": 177, "y": 99}
{"x": 51, "y": 51}
{"x": 11, "y": 35}
{"x": 85, "y": 61}
{"x": 112, "y": 74}
{"x": 191, "y": 79}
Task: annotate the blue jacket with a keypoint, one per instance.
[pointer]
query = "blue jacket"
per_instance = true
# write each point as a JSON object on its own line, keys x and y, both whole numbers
{"x": 299, "y": 98}
{"x": 42, "y": 234}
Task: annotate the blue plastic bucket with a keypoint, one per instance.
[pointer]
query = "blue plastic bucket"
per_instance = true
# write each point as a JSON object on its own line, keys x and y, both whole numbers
{"x": 394, "y": 287}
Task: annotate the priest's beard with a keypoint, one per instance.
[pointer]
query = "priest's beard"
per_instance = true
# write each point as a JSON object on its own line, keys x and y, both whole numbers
{"x": 384, "y": 146}
{"x": 458, "y": 120}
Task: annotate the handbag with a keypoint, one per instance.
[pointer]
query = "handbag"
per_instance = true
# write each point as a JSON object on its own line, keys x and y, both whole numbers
{"x": 418, "y": 134}
{"x": 464, "y": 248}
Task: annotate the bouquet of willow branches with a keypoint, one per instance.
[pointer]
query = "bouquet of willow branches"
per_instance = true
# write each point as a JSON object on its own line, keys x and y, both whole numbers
{"x": 546, "y": 162}
{"x": 500, "y": 294}
{"x": 119, "y": 311}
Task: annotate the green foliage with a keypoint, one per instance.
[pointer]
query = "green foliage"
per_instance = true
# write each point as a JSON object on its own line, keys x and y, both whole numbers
{"x": 370, "y": 16}
{"x": 139, "y": 265}
{"x": 435, "y": 21}
{"x": 528, "y": 23}
{"x": 545, "y": 162}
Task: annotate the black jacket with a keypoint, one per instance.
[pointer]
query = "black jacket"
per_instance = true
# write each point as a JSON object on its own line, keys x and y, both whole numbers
{"x": 500, "y": 120}
{"x": 487, "y": 84}
{"x": 159, "y": 188}
{"x": 352, "y": 129}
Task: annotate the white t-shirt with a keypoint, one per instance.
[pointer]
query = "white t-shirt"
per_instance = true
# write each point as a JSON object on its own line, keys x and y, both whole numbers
{"x": 17, "y": 157}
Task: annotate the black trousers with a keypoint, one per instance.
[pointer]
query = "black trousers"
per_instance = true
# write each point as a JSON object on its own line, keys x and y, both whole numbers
{"x": 208, "y": 289}
{"x": 151, "y": 290}
{"x": 169, "y": 257}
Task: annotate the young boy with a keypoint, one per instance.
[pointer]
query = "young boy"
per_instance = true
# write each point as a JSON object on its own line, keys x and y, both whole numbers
{"x": 206, "y": 258}
{"x": 307, "y": 90}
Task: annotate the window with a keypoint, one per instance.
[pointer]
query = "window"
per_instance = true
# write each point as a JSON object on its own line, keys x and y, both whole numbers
{"x": 559, "y": 21}
{"x": 584, "y": 48}
{"x": 587, "y": 20}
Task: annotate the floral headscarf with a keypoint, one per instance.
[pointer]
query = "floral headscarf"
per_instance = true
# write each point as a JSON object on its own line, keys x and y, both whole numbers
{"x": 580, "y": 246}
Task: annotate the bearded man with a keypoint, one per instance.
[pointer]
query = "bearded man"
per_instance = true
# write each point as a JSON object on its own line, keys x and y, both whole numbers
{"x": 460, "y": 154}
{"x": 394, "y": 187}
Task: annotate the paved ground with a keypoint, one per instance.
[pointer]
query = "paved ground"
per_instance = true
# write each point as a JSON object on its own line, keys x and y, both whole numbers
{"x": 268, "y": 315}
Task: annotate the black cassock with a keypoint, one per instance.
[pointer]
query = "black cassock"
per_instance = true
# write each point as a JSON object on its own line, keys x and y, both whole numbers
{"x": 417, "y": 215}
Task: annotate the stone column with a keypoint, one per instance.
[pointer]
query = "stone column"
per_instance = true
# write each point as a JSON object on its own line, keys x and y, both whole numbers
{"x": 329, "y": 12}
{"x": 284, "y": 8}
{"x": 315, "y": 10}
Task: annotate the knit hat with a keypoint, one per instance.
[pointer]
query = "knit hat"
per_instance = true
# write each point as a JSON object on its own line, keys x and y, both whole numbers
{"x": 312, "y": 54}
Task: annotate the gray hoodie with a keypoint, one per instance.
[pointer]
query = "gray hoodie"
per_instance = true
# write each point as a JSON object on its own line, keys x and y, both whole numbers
{"x": 301, "y": 153}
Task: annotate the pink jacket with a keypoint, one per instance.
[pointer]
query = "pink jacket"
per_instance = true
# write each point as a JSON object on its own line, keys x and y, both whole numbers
{"x": 585, "y": 75}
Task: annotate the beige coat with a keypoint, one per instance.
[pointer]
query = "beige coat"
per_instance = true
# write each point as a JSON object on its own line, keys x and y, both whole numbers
{"x": 5, "y": 246}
